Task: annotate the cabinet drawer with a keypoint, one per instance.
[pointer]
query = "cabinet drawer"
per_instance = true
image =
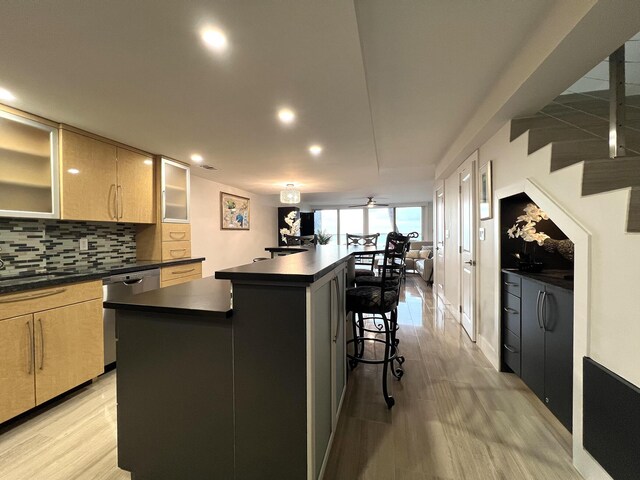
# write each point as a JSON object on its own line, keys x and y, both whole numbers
{"x": 511, "y": 284}
{"x": 177, "y": 281}
{"x": 511, "y": 350}
{"x": 173, "y": 250}
{"x": 511, "y": 312}
{"x": 172, "y": 232}
{"x": 22, "y": 303}
{"x": 179, "y": 271}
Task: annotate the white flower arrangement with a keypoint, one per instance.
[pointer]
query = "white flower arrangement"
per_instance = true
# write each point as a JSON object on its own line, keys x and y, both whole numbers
{"x": 294, "y": 225}
{"x": 527, "y": 232}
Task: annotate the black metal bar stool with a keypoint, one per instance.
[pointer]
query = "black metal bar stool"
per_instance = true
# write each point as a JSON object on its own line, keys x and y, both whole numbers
{"x": 364, "y": 262}
{"x": 375, "y": 310}
{"x": 301, "y": 240}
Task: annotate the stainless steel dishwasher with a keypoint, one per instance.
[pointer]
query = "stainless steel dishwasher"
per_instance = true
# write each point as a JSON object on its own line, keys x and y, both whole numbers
{"x": 117, "y": 286}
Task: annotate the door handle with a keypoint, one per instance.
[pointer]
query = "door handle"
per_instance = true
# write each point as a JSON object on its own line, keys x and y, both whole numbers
{"x": 339, "y": 301}
{"x": 132, "y": 282}
{"x": 471, "y": 262}
{"x": 538, "y": 309}
{"x": 510, "y": 310}
{"x": 511, "y": 349}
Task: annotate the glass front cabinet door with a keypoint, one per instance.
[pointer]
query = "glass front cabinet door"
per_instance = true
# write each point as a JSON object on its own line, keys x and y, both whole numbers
{"x": 28, "y": 168}
{"x": 175, "y": 192}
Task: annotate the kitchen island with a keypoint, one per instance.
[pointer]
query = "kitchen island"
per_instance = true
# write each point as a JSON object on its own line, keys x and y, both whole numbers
{"x": 241, "y": 376}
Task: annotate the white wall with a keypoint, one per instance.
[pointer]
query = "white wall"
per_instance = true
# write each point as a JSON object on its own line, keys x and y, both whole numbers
{"x": 228, "y": 248}
{"x": 607, "y": 304}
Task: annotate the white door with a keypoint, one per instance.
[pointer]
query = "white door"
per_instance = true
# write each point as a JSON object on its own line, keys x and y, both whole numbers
{"x": 467, "y": 263}
{"x": 439, "y": 255}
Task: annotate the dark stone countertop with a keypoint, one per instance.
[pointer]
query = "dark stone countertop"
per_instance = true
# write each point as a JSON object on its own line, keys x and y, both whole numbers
{"x": 205, "y": 297}
{"x": 552, "y": 277}
{"x": 307, "y": 266}
{"x": 74, "y": 275}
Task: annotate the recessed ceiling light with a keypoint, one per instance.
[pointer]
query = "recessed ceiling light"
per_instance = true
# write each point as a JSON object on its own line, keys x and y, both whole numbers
{"x": 148, "y": 161}
{"x": 6, "y": 95}
{"x": 286, "y": 115}
{"x": 214, "y": 39}
{"x": 196, "y": 157}
{"x": 73, "y": 171}
{"x": 315, "y": 150}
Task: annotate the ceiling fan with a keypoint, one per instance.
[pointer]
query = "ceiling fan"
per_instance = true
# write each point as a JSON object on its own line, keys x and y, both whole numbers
{"x": 370, "y": 204}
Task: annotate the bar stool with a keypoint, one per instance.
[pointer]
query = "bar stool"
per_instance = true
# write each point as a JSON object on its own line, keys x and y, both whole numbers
{"x": 373, "y": 280}
{"x": 364, "y": 260}
{"x": 380, "y": 305}
{"x": 300, "y": 240}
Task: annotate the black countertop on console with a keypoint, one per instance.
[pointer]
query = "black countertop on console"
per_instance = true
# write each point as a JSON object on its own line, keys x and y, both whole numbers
{"x": 205, "y": 297}
{"x": 553, "y": 277}
{"x": 74, "y": 275}
{"x": 304, "y": 267}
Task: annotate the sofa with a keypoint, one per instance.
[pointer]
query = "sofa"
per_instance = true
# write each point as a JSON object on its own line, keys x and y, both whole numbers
{"x": 419, "y": 259}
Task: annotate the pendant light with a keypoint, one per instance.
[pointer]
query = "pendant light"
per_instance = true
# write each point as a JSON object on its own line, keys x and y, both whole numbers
{"x": 290, "y": 195}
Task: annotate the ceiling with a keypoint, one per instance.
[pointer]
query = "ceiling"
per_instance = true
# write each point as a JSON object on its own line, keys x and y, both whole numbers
{"x": 384, "y": 86}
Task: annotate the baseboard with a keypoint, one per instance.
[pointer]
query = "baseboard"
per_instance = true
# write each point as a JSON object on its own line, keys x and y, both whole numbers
{"x": 588, "y": 467}
{"x": 489, "y": 352}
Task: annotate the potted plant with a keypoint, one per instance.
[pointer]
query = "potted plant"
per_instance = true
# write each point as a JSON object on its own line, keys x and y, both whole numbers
{"x": 323, "y": 237}
{"x": 525, "y": 229}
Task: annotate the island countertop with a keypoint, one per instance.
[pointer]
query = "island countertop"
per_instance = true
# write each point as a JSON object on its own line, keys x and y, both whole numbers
{"x": 205, "y": 297}
{"x": 304, "y": 267}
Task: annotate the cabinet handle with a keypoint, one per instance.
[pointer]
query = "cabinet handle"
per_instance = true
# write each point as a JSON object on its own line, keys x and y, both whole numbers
{"x": 510, "y": 310}
{"x": 33, "y": 297}
{"x": 337, "y": 287}
{"x": 115, "y": 202}
{"x": 511, "y": 284}
{"x": 178, "y": 250}
{"x": 543, "y": 311}
{"x": 178, "y": 272}
{"x": 182, "y": 235}
{"x": 120, "y": 201}
{"x": 538, "y": 309}
{"x": 31, "y": 352}
{"x": 511, "y": 349}
{"x": 41, "y": 344}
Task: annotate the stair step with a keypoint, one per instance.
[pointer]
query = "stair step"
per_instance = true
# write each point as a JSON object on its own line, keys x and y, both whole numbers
{"x": 610, "y": 174}
{"x": 566, "y": 153}
{"x": 540, "y": 137}
{"x": 633, "y": 217}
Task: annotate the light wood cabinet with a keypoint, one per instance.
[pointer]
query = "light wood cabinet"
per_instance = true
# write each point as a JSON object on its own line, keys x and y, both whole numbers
{"x": 135, "y": 187}
{"x": 68, "y": 348}
{"x": 28, "y": 166}
{"x": 172, "y": 232}
{"x": 51, "y": 340}
{"x": 16, "y": 366}
{"x": 88, "y": 176}
{"x": 175, "y": 185}
{"x": 177, "y": 274}
{"x": 104, "y": 182}
{"x": 176, "y": 250}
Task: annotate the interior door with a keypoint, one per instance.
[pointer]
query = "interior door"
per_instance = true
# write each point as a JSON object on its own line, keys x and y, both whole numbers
{"x": 439, "y": 272}
{"x": 467, "y": 262}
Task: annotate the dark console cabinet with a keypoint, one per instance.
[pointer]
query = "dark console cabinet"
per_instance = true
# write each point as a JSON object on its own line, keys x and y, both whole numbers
{"x": 545, "y": 360}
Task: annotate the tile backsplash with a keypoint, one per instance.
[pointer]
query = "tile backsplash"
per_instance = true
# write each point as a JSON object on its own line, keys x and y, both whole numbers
{"x": 32, "y": 246}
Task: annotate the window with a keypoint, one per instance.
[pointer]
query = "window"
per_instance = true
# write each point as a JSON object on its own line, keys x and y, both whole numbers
{"x": 327, "y": 221}
{"x": 380, "y": 221}
{"x": 409, "y": 219}
{"x": 351, "y": 221}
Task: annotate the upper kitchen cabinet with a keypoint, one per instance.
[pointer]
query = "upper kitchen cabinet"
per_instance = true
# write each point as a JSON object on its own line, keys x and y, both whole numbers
{"x": 28, "y": 167}
{"x": 104, "y": 182}
{"x": 175, "y": 191}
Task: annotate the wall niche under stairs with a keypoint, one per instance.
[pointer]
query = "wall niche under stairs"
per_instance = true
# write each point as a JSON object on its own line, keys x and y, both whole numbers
{"x": 510, "y": 209}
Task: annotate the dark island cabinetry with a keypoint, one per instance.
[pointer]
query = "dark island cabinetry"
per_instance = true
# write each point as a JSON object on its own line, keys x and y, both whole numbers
{"x": 537, "y": 345}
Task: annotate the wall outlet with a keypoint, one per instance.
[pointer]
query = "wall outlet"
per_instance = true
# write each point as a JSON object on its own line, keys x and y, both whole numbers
{"x": 481, "y": 234}
{"x": 84, "y": 244}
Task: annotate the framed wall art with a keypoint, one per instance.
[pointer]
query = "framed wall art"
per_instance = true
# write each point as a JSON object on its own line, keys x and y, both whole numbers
{"x": 485, "y": 191}
{"x": 234, "y": 212}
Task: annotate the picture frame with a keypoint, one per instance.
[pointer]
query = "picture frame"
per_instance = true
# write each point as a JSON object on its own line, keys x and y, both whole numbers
{"x": 485, "y": 191}
{"x": 235, "y": 212}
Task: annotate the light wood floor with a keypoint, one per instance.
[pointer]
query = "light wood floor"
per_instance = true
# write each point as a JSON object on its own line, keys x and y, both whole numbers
{"x": 455, "y": 418}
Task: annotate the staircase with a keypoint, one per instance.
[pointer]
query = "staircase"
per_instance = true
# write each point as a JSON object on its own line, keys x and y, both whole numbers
{"x": 577, "y": 127}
